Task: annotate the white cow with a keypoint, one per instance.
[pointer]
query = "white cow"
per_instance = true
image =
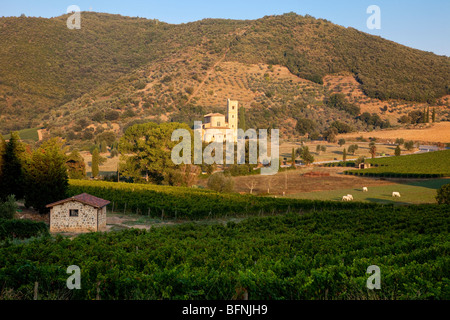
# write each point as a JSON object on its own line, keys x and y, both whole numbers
{"x": 345, "y": 198}
{"x": 365, "y": 189}
{"x": 350, "y": 196}
{"x": 396, "y": 194}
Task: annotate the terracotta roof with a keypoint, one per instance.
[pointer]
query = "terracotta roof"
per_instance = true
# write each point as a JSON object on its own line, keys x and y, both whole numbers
{"x": 83, "y": 198}
{"x": 214, "y": 115}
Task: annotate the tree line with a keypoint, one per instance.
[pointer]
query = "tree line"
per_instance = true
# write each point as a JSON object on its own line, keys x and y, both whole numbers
{"x": 38, "y": 176}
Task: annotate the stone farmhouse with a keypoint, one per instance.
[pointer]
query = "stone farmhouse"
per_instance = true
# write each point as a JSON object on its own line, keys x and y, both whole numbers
{"x": 216, "y": 124}
{"x": 81, "y": 213}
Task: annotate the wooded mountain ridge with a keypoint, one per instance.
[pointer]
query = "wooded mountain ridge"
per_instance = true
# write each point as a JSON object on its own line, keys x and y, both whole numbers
{"x": 121, "y": 68}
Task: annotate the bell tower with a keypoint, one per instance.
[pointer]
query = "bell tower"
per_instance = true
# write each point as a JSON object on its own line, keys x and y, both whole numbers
{"x": 232, "y": 115}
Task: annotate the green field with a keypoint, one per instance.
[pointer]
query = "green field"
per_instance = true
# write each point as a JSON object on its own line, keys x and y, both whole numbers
{"x": 321, "y": 255}
{"x": 413, "y": 166}
{"x": 26, "y": 134}
{"x": 411, "y": 193}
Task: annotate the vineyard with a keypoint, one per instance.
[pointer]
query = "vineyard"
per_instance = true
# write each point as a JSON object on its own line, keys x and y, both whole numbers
{"x": 195, "y": 203}
{"x": 424, "y": 165}
{"x": 21, "y": 229}
{"x": 321, "y": 255}
{"x": 26, "y": 134}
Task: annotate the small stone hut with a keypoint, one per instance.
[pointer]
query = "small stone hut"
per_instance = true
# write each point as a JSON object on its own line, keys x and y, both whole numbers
{"x": 81, "y": 213}
{"x": 364, "y": 166}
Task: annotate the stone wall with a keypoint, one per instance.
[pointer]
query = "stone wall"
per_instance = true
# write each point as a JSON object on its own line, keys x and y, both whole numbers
{"x": 102, "y": 219}
{"x": 61, "y": 221}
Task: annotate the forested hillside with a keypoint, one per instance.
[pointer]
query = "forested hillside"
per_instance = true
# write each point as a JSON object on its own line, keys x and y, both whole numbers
{"x": 44, "y": 65}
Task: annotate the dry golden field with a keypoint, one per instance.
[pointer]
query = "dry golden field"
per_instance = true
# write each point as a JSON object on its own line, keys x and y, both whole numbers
{"x": 437, "y": 132}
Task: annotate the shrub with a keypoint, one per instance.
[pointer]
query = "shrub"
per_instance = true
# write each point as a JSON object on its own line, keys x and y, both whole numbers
{"x": 112, "y": 115}
{"x": 220, "y": 183}
{"x": 443, "y": 194}
{"x": 8, "y": 208}
{"x": 409, "y": 145}
{"x": 22, "y": 229}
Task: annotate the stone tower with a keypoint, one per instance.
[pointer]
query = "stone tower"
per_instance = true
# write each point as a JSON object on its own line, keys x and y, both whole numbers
{"x": 232, "y": 114}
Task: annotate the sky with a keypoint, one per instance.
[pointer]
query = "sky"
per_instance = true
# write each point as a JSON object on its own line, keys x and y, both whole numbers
{"x": 418, "y": 24}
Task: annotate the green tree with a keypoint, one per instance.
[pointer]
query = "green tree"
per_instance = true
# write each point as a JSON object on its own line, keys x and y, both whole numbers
{"x": 404, "y": 119}
{"x": 428, "y": 115}
{"x": 305, "y": 126}
{"x": 12, "y": 179}
{"x": 8, "y": 208}
{"x": 353, "y": 148}
{"x": 95, "y": 163}
{"x": 114, "y": 152}
{"x": 318, "y": 149}
{"x": 330, "y": 134}
{"x": 76, "y": 165}
{"x": 146, "y": 151}
{"x": 398, "y": 151}
{"x": 293, "y": 158}
{"x": 108, "y": 136}
{"x": 341, "y": 142}
{"x": 220, "y": 183}
{"x": 103, "y": 147}
{"x": 409, "y": 145}
{"x": 46, "y": 178}
{"x": 306, "y": 156}
{"x": 338, "y": 101}
{"x": 373, "y": 150}
{"x": 344, "y": 155}
{"x": 443, "y": 194}
{"x": 400, "y": 141}
{"x": 433, "y": 115}
{"x": 2, "y": 154}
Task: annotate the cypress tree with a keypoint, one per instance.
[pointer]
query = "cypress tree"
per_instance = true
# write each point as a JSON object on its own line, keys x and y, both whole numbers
{"x": 12, "y": 180}
{"x": 103, "y": 147}
{"x": 398, "y": 151}
{"x": 2, "y": 152}
{"x": 433, "y": 115}
{"x": 344, "y": 155}
{"x": 95, "y": 163}
{"x": 293, "y": 158}
{"x": 428, "y": 115}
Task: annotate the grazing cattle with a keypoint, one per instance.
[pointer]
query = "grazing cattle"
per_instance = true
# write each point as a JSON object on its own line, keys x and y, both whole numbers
{"x": 350, "y": 196}
{"x": 365, "y": 189}
{"x": 396, "y": 194}
{"x": 345, "y": 198}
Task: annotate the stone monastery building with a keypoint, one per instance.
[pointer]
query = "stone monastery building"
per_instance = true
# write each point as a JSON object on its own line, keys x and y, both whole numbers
{"x": 216, "y": 124}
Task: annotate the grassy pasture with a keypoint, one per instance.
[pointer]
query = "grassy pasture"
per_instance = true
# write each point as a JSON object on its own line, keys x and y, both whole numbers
{"x": 416, "y": 192}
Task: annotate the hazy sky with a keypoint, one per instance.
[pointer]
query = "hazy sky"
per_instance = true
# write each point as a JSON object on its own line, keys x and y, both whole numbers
{"x": 416, "y": 23}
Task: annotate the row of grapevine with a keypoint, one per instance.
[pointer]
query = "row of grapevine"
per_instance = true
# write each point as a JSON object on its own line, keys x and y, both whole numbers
{"x": 340, "y": 164}
{"x": 195, "y": 203}
{"x": 21, "y": 229}
{"x": 364, "y": 173}
{"x": 320, "y": 255}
